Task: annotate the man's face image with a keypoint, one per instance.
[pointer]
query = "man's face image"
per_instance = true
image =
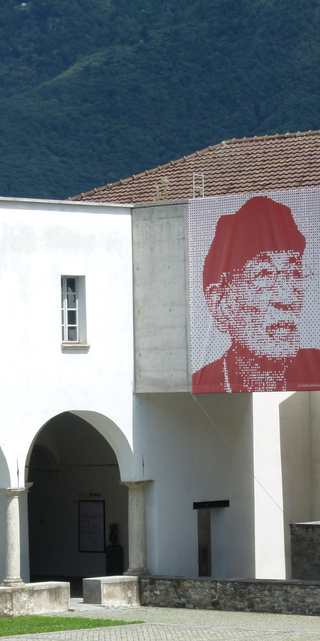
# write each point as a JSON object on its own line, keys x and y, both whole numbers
{"x": 261, "y": 304}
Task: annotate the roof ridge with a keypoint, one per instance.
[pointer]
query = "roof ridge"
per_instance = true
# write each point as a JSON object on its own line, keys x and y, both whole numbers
{"x": 196, "y": 154}
{"x": 297, "y": 134}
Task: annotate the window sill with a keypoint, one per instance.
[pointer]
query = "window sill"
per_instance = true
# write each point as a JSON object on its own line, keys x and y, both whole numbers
{"x": 74, "y": 346}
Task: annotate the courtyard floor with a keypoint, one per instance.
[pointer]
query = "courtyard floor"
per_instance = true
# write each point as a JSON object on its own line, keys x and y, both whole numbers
{"x": 166, "y": 624}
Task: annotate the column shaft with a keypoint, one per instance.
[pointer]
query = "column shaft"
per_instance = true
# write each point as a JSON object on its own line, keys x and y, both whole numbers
{"x": 137, "y": 529}
{"x": 13, "y": 577}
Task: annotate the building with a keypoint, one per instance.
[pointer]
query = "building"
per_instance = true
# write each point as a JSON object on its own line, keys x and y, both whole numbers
{"x": 99, "y": 423}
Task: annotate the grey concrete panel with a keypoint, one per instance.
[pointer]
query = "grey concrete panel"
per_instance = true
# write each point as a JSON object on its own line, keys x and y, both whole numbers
{"x": 92, "y": 590}
{"x": 161, "y": 305}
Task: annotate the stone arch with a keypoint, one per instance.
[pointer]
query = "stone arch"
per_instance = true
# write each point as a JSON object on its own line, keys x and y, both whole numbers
{"x": 115, "y": 437}
{"x": 76, "y": 456}
{"x": 109, "y": 430}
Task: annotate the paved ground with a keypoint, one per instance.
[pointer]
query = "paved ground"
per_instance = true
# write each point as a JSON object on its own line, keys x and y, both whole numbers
{"x": 165, "y": 624}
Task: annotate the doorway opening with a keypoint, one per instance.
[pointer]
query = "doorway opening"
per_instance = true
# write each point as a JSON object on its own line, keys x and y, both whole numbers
{"x": 212, "y": 551}
{"x": 74, "y": 499}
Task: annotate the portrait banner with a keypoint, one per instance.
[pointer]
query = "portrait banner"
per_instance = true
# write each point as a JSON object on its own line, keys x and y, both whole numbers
{"x": 254, "y": 263}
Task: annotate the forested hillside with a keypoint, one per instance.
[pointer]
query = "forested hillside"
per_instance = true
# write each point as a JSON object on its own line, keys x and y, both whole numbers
{"x": 96, "y": 90}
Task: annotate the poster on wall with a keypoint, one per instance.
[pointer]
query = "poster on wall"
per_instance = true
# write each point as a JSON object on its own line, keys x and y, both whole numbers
{"x": 254, "y": 274}
{"x": 91, "y": 526}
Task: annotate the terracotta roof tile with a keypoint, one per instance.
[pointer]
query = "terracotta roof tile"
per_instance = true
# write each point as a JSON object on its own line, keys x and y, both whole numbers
{"x": 281, "y": 161}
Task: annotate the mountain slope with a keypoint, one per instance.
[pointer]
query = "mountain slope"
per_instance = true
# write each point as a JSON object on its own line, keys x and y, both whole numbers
{"x": 93, "y": 91}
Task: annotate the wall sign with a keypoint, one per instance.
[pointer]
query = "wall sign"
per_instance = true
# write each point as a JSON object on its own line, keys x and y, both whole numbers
{"x": 91, "y": 526}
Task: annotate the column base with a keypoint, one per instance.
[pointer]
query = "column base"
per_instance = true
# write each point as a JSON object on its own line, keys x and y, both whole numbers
{"x": 13, "y": 583}
{"x": 137, "y": 572}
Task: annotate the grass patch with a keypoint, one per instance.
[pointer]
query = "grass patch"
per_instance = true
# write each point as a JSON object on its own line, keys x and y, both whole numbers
{"x": 34, "y": 624}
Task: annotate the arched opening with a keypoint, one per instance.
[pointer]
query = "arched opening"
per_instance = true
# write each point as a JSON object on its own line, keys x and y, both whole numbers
{"x": 74, "y": 498}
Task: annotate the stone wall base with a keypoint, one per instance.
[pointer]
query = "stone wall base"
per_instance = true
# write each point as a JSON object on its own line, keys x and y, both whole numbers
{"x": 34, "y": 598}
{"x": 305, "y": 551}
{"x": 283, "y": 597}
{"x": 112, "y": 590}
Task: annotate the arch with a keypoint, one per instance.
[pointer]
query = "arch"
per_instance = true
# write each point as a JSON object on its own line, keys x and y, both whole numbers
{"x": 115, "y": 437}
{"x": 75, "y": 460}
{"x": 4, "y": 471}
{"x": 110, "y": 431}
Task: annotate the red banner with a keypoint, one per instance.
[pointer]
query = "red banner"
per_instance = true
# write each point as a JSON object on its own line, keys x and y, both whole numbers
{"x": 254, "y": 267}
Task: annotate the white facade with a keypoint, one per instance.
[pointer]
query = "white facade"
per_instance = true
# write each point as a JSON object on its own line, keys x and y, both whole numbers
{"x": 40, "y": 242}
{"x": 76, "y": 419}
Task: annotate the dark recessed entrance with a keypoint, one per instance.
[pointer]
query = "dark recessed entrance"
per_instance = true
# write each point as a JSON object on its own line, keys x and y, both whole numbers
{"x": 72, "y": 464}
{"x": 211, "y": 537}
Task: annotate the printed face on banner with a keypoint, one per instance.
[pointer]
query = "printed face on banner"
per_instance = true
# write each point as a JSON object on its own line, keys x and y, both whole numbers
{"x": 254, "y": 281}
{"x": 260, "y": 305}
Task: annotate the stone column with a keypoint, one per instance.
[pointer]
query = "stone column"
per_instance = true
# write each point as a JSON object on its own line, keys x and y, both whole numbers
{"x": 137, "y": 529}
{"x": 13, "y": 578}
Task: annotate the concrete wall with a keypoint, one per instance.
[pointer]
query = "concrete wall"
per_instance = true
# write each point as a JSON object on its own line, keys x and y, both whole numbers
{"x": 280, "y": 421}
{"x": 300, "y": 460}
{"x": 314, "y": 404}
{"x": 196, "y": 453}
{"x": 161, "y": 309}
{"x": 296, "y": 464}
{"x": 217, "y": 447}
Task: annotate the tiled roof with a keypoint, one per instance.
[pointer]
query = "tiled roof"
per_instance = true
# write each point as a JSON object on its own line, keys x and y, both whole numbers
{"x": 281, "y": 161}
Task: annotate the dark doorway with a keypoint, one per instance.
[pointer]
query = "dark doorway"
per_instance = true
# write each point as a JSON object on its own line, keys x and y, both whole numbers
{"x": 212, "y": 552}
{"x": 72, "y": 462}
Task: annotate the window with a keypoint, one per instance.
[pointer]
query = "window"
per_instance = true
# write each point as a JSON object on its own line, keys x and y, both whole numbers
{"x": 69, "y": 309}
{"x": 73, "y": 325}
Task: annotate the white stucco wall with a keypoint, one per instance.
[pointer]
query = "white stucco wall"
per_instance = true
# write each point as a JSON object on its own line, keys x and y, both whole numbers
{"x": 193, "y": 454}
{"x": 269, "y": 533}
{"x": 283, "y": 476}
{"x": 40, "y": 241}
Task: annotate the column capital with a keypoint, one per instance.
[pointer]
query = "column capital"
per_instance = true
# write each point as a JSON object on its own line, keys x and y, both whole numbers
{"x": 135, "y": 485}
{"x": 13, "y": 491}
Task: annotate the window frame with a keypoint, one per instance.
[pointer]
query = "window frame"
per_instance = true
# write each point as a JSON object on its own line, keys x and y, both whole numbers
{"x": 79, "y": 310}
